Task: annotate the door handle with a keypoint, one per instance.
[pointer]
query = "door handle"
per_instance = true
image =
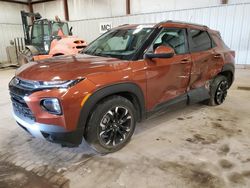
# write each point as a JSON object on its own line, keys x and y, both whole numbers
{"x": 217, "y": 55}
{"x": 185, "y": 60}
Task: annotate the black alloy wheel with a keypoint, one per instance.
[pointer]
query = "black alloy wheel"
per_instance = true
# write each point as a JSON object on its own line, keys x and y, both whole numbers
{"x": 115, "y": 126}
{"x": 218, "y": 90}
{"x": 221, "y": 92}
{"x": 111, "y": 124}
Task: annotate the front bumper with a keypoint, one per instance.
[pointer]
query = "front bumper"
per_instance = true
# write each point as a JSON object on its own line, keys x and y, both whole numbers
{"x": 39, "y": 122}
{"x": 51, "y": 133}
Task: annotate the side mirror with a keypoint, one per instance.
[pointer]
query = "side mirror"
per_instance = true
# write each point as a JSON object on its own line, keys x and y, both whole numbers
{"x": 70, "y": 31}
{"x": 161, "y": 52}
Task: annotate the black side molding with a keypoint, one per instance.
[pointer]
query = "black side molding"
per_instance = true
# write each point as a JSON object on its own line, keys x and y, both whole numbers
{"x": 175, "y": 103}
{"x": 191, "y": 97}
{"x": 198, "y": 95}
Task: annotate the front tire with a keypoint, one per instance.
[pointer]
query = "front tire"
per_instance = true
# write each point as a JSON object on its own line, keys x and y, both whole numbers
{"x": 111, "y": 124}
{"x": 218, "y": 90}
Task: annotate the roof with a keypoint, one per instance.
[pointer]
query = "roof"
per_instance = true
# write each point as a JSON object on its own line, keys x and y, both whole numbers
{"x": 134, "y": 26}
{"x": 186, "y": 23}
{"x": 172, "y": 23}
{"x": 181, "y": 23}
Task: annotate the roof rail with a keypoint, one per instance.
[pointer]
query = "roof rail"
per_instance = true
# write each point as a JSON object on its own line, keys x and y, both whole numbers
{"x": 182, "y": 22}
{"x": 123, "y": 25}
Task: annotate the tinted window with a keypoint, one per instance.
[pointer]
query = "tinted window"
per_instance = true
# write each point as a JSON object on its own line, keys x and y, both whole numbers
{"x": 200, "y": 40}
{"x": 174, "y": 38}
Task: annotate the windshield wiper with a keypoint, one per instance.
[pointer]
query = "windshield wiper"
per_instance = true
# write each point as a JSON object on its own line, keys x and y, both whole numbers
{"x": 102, "y": 55}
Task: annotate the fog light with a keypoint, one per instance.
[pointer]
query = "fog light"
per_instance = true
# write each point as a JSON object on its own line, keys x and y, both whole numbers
{"x": 52, "y": 105}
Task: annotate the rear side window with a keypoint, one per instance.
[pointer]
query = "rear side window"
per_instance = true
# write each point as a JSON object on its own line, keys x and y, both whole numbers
{"x": 199, "y": 40}
{"x": 218, "y": 40}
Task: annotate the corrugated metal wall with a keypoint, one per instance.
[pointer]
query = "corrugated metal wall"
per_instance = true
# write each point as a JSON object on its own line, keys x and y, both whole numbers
{"x": 50, "y": 9}
{"x": 10, "y": 25}
{"x": 84, "y": 9}
{"x": 7, "y": 33}
{"x": 231, "y": 20}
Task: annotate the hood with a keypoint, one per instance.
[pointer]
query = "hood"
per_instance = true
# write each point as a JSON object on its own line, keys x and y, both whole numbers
{"x": 69, "y": 67}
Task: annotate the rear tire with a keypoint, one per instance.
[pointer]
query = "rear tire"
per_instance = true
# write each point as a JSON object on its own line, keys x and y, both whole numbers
{"x": 111, "y": 124}
{"x": 25, "y": 57}
{"x": 218, "y": 91}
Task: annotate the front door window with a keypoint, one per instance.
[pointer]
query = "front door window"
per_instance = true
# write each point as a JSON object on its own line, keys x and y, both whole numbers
{"x": 174, "y": 38}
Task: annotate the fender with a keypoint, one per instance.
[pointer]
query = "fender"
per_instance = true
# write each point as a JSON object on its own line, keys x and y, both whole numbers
{"x": 107, "y": 91}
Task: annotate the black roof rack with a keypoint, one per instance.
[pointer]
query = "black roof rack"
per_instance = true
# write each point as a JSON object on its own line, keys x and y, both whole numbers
{"x": 182, "y": 22}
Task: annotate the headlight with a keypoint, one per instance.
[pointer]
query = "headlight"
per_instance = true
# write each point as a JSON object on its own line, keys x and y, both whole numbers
{"x": 44, "y": 84}
{"x": 52, "y": 105}
{"x": 61, "y": 84}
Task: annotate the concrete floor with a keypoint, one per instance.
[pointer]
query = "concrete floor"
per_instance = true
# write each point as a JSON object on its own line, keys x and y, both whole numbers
{"x": 198, "y": 146}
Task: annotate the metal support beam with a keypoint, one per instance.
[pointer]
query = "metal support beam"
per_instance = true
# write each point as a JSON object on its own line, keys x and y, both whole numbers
{"x": 224, "y": 1}
{"x": 13, "y": 1}
{"x": 44, "y": 1}
{"x": 31, "y": 9}
{"x": 128, "y": 7}
{"x": 66, "y": 10}
{"x": 24, "y": 3}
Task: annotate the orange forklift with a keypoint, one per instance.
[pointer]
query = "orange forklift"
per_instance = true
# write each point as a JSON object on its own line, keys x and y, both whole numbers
{"x": 47, "y": 38}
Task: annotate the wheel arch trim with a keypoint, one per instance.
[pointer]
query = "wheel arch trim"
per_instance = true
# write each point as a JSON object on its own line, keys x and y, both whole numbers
{"x": 106, "y": 91}
{"x": 228, "y": 68}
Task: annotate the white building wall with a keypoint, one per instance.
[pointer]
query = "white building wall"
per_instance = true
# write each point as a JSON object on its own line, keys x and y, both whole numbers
{"x": 89, "y": 9}
{"x": 85, "y": 9}
{"x": 231, "y": 20}
{"x": 50, "y": 9}
{"x": 149, "y": 6}
{"x": 10, "y": 25}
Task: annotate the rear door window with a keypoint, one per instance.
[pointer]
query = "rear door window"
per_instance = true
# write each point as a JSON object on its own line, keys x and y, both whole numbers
{"x": 199, "y": 40}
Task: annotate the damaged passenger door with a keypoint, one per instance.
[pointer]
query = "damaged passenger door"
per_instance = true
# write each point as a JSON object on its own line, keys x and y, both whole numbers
{"x": 167, "y": 76}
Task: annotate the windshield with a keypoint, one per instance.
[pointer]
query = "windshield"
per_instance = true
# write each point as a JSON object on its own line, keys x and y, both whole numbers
{"x": 122, "y": 44}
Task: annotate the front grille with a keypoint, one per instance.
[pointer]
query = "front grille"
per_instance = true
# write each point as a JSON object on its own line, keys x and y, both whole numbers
{"x": 20, "y": 107}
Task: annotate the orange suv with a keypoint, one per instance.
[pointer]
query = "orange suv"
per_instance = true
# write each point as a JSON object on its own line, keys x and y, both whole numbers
{"x": 121, "y": 78}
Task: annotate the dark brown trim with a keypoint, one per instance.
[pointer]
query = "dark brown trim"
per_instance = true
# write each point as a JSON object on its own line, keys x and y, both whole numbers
{"x": 31, "y": 9}
{"x": 66, "y": 10}
{"x": 128, "y": 7}
{"x": 224, "y": 1}
{"x": 44, "y": 1}
{"x": 24, "y": 3}
{"x": 30, "y": 6}
{"x": 13, "y": 1}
